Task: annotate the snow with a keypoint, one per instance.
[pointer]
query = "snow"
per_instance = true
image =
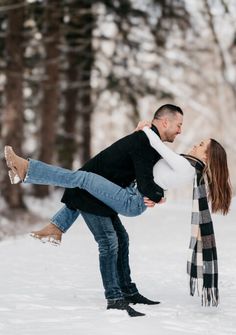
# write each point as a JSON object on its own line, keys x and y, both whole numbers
{"x": 57, "y": 290}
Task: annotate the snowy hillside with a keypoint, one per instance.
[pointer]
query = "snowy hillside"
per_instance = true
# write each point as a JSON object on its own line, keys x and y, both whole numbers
{"x": 57, "y": 290}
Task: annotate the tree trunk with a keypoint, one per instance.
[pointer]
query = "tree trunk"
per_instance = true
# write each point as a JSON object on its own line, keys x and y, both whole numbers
{"x": 78, "y": 102}
{"x": 50, "y": 87}
{"x": 85, "y": 60}
{"x": 12, "y": 125}
{"x": 67, "y": 140}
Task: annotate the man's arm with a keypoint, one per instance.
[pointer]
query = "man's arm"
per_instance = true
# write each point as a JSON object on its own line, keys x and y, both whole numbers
{"x": 144, "y": 157}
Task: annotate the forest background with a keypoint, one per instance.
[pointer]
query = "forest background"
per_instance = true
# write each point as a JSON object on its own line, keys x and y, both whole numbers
{"x": 76, "y": 75}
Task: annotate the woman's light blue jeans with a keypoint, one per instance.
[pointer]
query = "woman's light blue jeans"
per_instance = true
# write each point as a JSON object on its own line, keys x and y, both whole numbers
{"x": 126, "y": 201}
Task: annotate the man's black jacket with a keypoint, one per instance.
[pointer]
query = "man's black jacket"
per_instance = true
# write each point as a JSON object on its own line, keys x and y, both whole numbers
{"x": 130, "y": 158}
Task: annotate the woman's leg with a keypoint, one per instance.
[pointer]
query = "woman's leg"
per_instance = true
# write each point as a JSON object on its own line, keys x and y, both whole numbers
{"x": 65, "y": 218}
{"x": 126, "y": 201}
{"x": 59, "y": 224}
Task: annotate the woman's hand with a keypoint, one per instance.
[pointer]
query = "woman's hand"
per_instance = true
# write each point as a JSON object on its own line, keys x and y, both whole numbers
{"x": 142, "y": 124}
{"x": 162, "y": 201}
{"x": 148, "y": 202}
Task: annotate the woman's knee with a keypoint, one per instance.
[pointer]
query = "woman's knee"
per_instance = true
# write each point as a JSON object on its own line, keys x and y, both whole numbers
{"x": 78, "y": 178}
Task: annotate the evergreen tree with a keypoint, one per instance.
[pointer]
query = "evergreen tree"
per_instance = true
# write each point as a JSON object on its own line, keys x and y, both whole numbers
{"x": 13, "y": 113}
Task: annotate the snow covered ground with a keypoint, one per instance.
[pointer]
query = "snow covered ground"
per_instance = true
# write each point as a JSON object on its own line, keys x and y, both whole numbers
{"x": 57, "y": 290}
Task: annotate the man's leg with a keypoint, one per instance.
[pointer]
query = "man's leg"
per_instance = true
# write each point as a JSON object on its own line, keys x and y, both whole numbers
{"x": 123, "y": 268}
{"x": 128, "y": 288}
{"x": 60, "y": 223}
{"x": 106, "y": 237}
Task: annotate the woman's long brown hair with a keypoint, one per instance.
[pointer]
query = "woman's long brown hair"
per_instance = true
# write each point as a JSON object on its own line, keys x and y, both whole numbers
{"x": 220, "y": 192}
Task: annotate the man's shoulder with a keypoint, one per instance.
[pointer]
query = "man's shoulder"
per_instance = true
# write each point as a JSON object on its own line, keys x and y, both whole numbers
{"x": 136, "y": 136}
{"x": 138, "y": 144}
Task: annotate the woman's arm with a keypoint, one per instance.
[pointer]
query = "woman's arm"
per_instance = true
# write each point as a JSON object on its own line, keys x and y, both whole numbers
{"x": 174, "y": 160}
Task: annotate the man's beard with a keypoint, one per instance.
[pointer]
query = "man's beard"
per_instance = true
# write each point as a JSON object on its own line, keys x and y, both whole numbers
{"x": 170, "y": 139}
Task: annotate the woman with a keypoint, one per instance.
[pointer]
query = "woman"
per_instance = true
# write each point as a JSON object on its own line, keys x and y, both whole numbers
{"x": 171, "y": 171}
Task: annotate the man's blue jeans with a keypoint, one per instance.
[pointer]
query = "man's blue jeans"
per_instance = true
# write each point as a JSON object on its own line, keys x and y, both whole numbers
{"x": 113, "y": 245}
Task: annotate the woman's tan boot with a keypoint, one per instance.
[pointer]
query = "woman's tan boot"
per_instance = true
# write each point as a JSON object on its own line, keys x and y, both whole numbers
{"x": 49, "y": 233}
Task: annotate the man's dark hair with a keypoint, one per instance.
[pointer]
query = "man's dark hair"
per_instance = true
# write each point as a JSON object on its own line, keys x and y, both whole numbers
{"x": 167, "y": 109}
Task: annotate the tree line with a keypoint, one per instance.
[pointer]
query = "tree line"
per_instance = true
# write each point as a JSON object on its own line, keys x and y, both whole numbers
{"x": 63, "y": 59}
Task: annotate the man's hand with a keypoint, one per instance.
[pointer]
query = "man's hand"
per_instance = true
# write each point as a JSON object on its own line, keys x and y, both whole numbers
{"x": 149, "y": 203}
{"x": 142, "y": 124}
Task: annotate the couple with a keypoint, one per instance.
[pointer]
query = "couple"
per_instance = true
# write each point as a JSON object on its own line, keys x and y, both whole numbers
{"x": 105, "y": 186}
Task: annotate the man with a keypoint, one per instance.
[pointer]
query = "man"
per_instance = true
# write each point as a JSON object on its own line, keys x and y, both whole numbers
{"x": 127, "y": 160}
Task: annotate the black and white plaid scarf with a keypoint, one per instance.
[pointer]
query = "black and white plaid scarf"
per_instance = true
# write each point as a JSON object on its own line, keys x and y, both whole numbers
{"x": 202, "y": 260}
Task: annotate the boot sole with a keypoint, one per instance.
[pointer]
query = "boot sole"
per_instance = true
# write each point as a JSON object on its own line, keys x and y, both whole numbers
{"x": 14, "y": 177}
{"x": 8, "y": 161}
{"x": 48, "y": 240}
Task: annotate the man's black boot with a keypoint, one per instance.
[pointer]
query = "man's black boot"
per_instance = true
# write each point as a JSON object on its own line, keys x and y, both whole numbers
{"x": 121, "y": 304}
{"x": 139, "y": 299}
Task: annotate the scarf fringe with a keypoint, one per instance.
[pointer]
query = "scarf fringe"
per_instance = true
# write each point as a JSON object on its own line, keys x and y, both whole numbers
{"x": 193, "y": 284}
{"x": 210, "y": 296}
